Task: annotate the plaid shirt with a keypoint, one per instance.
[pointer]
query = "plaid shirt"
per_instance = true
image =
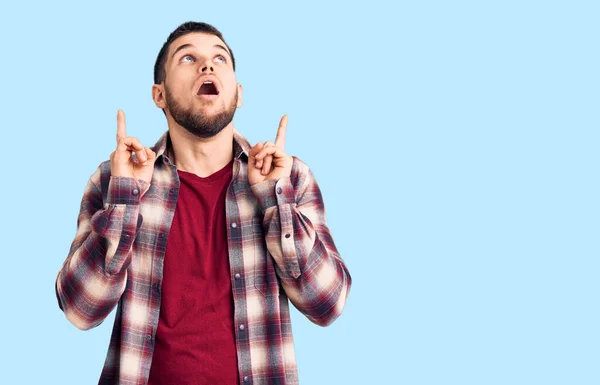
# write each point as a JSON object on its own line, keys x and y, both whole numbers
{"x": 279, "y": 247}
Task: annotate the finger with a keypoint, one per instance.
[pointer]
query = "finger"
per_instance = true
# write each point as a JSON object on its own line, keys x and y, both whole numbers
{"x": 151, "y": 154}
{"x": 264, "y": 146}
{"x": 252, "y": 154}
{"x": 121, "y": 131}
{"x": 265, "y": 164}
{"x": 266, "y": 168}
{"x": 251, "y": 162}
{"x": 130, "y": 143}
{"x": 256, "y": 149}
{"x": 272, "y": 150}
{"x": 280, "y": 138}
{"x": 142, "y": 156}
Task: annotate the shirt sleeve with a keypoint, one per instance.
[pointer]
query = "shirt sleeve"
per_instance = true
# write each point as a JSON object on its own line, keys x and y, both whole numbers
{"x": 93, "y": 277}
{"x": 309, "y": 266}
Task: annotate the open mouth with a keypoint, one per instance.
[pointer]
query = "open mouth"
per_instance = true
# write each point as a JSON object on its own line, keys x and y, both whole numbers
{"x": 208, "y": 88}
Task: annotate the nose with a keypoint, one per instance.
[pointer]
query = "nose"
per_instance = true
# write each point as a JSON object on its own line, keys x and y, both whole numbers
{"x": 207, "y": 69}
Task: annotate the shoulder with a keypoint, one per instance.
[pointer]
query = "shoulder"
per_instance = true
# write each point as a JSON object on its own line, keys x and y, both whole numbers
{"x": 299, "y": 167}
{"x": 301, "y": 176}
{"x": 98, "y": 182}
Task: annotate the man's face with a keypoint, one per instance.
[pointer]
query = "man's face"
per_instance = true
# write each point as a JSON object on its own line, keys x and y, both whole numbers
{"x": 200, "y": 88}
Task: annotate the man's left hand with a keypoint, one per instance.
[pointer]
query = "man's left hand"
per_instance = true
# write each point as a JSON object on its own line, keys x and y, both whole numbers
{"x": 268, "y": 161}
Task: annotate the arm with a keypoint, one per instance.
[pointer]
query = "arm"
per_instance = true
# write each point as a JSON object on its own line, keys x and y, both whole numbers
{"x": 93, "y": 277}
{"x": 309, "y": 266}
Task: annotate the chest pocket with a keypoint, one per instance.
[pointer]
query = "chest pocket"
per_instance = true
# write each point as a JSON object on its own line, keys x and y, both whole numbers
{"x": 265, "y": 277}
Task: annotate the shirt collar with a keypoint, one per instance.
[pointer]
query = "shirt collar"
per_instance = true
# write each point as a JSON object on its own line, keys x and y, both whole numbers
{"x": 164, "y": 147}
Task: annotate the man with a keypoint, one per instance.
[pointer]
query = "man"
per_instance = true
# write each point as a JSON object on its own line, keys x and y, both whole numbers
{"x": 201, "y": 240}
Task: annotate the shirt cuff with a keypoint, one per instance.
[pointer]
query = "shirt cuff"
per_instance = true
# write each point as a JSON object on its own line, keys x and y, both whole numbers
{"x": 271, "y": 193}
{"x": 125, "y": 190}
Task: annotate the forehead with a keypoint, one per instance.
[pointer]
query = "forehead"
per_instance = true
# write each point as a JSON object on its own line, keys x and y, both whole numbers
{"x": 199, "y": 40}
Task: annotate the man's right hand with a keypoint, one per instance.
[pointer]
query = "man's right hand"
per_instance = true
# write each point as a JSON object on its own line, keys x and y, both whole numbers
{"x": 122, "y": 160}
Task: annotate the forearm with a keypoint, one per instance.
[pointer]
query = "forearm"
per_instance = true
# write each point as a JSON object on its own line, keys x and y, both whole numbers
{"x": 93, "y": 277}
{"x": 310, "y": 268}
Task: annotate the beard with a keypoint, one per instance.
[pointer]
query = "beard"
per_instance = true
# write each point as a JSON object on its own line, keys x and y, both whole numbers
{"x": 198, "y": 123}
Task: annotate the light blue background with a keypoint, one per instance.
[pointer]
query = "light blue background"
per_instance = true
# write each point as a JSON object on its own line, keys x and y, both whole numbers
{"x": 456, "y": 145}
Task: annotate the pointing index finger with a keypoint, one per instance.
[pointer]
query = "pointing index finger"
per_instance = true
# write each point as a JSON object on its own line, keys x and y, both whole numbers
{"x": 280, "y": 138}
{"x": 121, "y": 131}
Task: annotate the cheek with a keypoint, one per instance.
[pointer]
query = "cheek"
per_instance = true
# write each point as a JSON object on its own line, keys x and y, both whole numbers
{"x": 231, "y": 88}
{"x": 229, "y": 82}
{"x": 179, "y": 80}
{"x": 176, "y": 90}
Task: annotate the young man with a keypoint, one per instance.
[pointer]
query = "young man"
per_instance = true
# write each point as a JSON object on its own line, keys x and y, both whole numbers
{"x": 201, "y": 240}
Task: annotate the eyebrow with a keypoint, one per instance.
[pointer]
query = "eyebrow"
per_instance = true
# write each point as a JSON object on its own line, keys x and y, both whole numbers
{"x": 223, "y": 48}
{"x": 188, "y": 45}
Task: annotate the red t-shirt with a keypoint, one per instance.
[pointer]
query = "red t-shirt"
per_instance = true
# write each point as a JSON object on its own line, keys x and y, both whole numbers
{"x": 195, "y": 341}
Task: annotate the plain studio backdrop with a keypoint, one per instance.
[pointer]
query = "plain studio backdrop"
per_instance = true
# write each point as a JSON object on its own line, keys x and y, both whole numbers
{"x": 455, "y": 143}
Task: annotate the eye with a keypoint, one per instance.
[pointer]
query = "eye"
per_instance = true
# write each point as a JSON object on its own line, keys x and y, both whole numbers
{"x": 188, "y": 59}
{"x": 220, "y": 59}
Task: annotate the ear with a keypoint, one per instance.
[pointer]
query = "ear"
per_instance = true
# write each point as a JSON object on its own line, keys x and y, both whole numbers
{"x": 158, "y": 95}
{"x": 239, "y": 95}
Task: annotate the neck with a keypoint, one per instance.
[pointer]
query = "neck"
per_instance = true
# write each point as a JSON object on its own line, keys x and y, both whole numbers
{"x": 201, "y": 156}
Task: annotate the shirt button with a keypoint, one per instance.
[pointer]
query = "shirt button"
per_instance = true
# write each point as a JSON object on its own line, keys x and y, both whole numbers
{"x": 242, "y": 327}
{"x": 237, "y": 276}
{"x": 279, "y": 190}
{"x": 135, "y": 191}
{"x": 246, "y": 379}
{"x": 149, "y": 337}
{"x": 287, "y": 235}
{"x": 234, "y": 225}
